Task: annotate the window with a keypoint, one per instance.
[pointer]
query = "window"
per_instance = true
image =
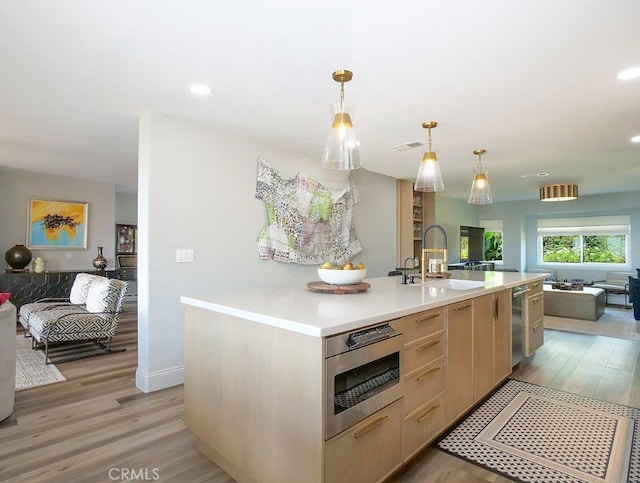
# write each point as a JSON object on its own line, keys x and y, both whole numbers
{"x": 492, "y": 240}
{"x": 594, "y": 240}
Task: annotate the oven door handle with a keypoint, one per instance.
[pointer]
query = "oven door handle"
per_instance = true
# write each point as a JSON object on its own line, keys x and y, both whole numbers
{"x": 352, "y": 344}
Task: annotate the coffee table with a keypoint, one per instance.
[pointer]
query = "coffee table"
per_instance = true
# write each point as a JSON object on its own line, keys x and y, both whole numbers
{"x": 585, "y": 304}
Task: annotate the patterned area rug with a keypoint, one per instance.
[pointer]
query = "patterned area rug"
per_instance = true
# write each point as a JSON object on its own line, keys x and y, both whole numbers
{"x": 31, "y": 369}
{"x": 535, "y": 434}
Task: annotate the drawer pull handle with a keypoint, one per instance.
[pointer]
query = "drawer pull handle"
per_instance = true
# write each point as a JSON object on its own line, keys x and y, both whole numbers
{"x": 369, "y": 426}
{"x": 462, "y": 308}
{"x": 535, "y": 284}
{"x": 535, "y": 298}
{"x": 429, "y": 411}
{"x": 428, "y": 317}
{"x": 426, "y": 373}
{"x": 427, "y": 345}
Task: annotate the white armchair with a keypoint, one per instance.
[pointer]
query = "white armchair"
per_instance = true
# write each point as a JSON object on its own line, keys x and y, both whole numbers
{"x": 91, "y": 313}
{"x": 616, "y": 283}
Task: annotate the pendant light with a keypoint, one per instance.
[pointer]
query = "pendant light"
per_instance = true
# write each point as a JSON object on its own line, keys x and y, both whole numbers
{"x": 480, "y": 191}
{"x": 429, "y": 176}
{"x": 341, "y": 151}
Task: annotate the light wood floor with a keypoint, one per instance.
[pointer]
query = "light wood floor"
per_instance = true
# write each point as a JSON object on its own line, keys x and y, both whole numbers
{"x": 97, "y": 426}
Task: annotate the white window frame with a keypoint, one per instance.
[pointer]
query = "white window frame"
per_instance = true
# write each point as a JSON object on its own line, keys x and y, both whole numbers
{"x": 586, "y": 225}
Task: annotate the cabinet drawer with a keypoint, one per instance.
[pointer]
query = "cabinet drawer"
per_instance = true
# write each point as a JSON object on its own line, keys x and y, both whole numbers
{"x": 368, "y": 451}
{"x": 423, "y": 385}
{"x": 534, "y": 338}
{"x": 535, "y": 287}
{"x": 422, "y": 427}
{"x": 536, "y": 308}
{"x": 423, "y": 352}
{"x": 420, "y": 325}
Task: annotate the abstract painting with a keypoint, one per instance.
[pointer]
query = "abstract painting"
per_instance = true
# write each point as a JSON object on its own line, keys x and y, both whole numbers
{"x": 57, "y": 224}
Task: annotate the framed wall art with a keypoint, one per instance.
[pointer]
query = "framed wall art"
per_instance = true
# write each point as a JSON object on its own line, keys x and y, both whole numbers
{"x": 126, "y": 239}
{"x": 57, "y": 224}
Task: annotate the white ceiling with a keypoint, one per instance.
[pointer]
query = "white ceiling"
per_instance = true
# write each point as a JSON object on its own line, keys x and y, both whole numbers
{"x": 533, "y": 82}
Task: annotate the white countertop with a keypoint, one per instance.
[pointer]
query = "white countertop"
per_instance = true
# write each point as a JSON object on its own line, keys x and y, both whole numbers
{"x": 323, "y": 314}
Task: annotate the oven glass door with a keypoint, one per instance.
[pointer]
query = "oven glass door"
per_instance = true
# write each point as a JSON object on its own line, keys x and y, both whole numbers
{"x": 362, "y": 381}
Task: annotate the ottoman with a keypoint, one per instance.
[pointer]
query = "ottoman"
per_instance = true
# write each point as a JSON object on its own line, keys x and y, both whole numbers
{"x": 585, "y": 304}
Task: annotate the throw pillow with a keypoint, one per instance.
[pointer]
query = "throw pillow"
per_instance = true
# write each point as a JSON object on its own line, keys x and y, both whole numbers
{"x": 80, "y": 288}
{"x": 104, "y": 295}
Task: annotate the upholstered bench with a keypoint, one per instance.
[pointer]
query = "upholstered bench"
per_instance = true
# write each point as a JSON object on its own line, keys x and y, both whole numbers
{"x": 586, "y": 304}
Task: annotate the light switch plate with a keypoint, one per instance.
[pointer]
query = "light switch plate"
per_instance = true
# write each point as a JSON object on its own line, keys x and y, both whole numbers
{"x": 184, "y": 256}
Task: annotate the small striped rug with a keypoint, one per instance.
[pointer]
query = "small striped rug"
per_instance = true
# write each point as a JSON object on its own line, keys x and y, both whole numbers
{"x": 31, "y": 370}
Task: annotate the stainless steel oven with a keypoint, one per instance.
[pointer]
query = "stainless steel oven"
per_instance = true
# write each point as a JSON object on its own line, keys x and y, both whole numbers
{"x": 363, "y": 375}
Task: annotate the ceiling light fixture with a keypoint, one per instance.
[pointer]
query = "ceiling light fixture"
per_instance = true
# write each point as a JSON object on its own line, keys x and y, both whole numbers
{"x": 480, "y": 193}
{"x": 200, "y": 89}
{"x": 429, "y": 175}
{"x": 629, "y": 74}
{"x": 559, "y": 192}
{"x": 341, "y": 151}
{"x": 635, "y": 139}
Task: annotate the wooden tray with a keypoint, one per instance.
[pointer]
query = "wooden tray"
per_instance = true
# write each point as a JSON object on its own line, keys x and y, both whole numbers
{"x": 322, "y": 287}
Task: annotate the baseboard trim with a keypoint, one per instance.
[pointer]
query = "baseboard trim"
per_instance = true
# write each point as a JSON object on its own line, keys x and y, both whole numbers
{"x": 154, "y": 381}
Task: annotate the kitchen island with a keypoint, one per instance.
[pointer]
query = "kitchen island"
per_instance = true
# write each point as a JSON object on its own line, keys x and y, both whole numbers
{"x": 255, "y": 372}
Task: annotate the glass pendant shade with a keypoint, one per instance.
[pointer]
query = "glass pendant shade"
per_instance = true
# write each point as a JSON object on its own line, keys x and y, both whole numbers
{"x": 429, "y": 175}
{"x": 480, "y": 191}
{"x": 341, "y": 151}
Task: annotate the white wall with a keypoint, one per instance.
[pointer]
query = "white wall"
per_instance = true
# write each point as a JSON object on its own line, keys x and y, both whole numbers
{"x": 17, "y": 186}
{"x": 197, "y": 191}
{"x": 126, "y": 208}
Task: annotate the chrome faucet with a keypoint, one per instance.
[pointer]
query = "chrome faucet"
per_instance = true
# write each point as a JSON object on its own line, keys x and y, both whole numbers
{"x": 424, "y": 251}
{"x": 404, "y": 269}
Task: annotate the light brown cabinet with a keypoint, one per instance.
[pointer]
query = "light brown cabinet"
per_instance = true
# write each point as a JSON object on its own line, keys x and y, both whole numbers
{"x": 491, "y": 341}
{"x": 502, "y": 335}
{"x": 534, "y": 320}
{"x": 424, "y": 369}
{"x": 368, "y": 451}
{"x": 459, "y": 359}
{"x": 478, "y": 349}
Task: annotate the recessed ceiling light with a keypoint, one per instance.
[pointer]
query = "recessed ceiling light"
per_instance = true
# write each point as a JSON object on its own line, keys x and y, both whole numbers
{"x": 200, "y": 89}
{"x": 534, "y": 175}
{"x": 635, "y": 139}
{"x": 406, "y": 146}
{"x": 628, "y": 74}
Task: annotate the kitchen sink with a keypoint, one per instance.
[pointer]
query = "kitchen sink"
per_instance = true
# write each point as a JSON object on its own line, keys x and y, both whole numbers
{"x": 451, "y": 284}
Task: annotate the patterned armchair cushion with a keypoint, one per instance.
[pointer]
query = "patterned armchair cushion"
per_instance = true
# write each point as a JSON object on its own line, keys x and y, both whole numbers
{"x": 106, "y": 295}
{"x": 27, "y": 310}
{"x": 57, "y": 325}
{"x": 80, "y": 288}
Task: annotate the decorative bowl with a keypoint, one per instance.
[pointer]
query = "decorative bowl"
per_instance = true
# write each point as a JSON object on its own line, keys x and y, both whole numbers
{"x": 342, "y": 277}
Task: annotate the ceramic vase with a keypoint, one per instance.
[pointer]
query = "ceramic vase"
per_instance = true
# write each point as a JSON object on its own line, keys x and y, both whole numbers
{"x": 100, "y": 263}
{"x": 18, "y": 257}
